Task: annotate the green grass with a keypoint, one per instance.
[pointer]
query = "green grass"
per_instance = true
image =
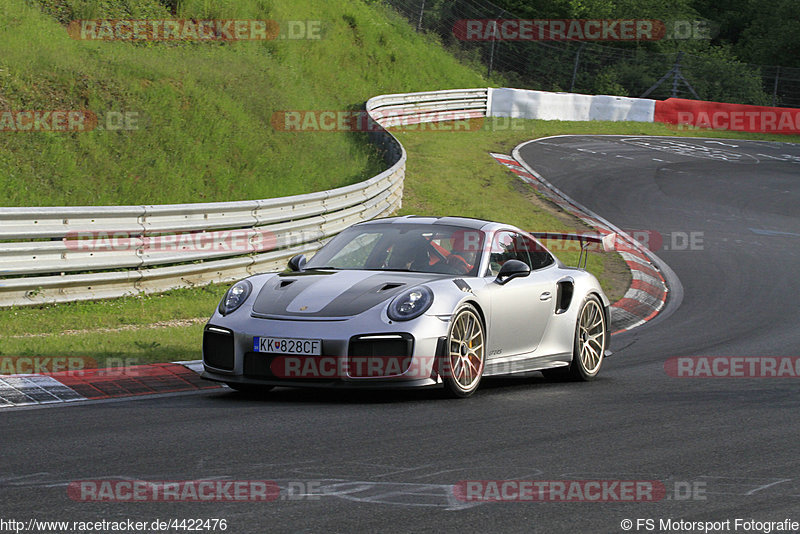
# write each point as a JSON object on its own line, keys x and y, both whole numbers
{"x": 128, "y": 347}
{"x": 204, "y": 109}
{"x": 109, "y": 314}
{"x": 448, "y": 173}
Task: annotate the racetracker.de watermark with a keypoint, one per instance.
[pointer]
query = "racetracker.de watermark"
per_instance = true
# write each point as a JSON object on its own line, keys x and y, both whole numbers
{"x": 733, "y": 367}
{"x": 363, "y": 121}
{"x": 580, "y": 29}
{"x": 335, "y": 367}
{"x": 74, "y": 366}
{"x": 308, "y": 367}
{"x": 208, "y": 490}
{"x": 559, "y": 490}
{"x": 68, "y": 121}
{"x": 213, "y": 30}
{"x": 783, "y": 121}
{"x": 599, "y": 490}
{"x": 173, "y": 491}
{"x": 677, "y": 240}
{"x": 47, "y": 121}
{"x": 253, "y": 240}
{"x": 26, "y": 365}
{"x": 240, "y": 241}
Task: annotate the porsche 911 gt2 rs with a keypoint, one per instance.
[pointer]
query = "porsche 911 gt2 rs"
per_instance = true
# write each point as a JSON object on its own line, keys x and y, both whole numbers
{"x": 410, "y": 302}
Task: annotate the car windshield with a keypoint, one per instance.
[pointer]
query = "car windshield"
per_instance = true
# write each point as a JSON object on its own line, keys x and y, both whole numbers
{"x": 423, "y": 248}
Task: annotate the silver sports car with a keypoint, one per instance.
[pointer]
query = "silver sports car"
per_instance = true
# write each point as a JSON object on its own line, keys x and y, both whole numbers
{"x": 410, "y": 302}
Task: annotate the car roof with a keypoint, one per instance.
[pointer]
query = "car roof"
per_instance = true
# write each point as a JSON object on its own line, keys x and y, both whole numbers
{"x": 463, "y": 222}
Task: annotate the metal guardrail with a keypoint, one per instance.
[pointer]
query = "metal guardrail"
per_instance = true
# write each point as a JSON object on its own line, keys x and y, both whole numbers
{"x": 64, "y": 254}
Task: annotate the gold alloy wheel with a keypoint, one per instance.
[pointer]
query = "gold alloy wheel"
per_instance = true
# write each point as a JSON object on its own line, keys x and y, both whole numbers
{"x": 465, "y": 353}
{"x": 591, "y": 338}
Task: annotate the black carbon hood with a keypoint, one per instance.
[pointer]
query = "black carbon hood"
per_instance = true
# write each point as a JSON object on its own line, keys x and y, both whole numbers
{"x": 320, "y": 294}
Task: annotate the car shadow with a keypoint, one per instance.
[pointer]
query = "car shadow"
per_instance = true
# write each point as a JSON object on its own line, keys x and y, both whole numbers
{"x": 489, "y": 386}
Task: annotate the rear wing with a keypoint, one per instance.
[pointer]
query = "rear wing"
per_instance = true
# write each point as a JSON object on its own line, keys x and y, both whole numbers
{"x": 586, "y": 241}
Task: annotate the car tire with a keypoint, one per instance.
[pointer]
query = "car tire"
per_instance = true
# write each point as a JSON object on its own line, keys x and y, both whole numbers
{"x": 461, "y": 366}
{"x": 589, "y": 344}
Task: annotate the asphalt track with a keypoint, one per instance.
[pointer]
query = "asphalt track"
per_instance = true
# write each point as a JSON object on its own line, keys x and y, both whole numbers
{"x": 387, "y": 461}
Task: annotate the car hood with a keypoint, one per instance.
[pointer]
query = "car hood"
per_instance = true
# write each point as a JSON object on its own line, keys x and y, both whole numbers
{"x": 329, "y": 294}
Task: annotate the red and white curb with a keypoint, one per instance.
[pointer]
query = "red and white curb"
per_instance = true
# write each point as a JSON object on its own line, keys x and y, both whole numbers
{"x": 648, "y": 291}
{"x": 100, "y": 384}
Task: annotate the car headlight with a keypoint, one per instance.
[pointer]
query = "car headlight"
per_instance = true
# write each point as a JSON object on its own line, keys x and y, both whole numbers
{"x": 410, "y": 304}
{"x": 235, "y": 297}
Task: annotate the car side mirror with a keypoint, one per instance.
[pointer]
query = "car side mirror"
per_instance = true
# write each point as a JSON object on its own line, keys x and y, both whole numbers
{"x": 512, "y": 269}
{"x": 297, "y": 263}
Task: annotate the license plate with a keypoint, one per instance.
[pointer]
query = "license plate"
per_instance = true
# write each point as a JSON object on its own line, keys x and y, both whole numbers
{"x": 283, "y": 345}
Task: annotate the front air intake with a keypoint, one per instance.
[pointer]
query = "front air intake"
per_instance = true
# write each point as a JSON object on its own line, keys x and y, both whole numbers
{"x": 218, "y": 348}
{"x": 379, "y": 355}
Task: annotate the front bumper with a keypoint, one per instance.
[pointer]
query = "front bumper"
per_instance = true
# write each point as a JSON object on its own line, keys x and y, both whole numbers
{"x": 357, "y": 352}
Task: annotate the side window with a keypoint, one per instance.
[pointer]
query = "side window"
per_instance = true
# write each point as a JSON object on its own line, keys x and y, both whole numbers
{"x": 539, "y": 257}
{"x": 503, "y": 249}
{"x": 513, "y": 246}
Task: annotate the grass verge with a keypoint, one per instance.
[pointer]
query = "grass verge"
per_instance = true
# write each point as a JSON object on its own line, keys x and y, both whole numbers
{"x": 201, "y": 125}
{"x": 448, "y": 173}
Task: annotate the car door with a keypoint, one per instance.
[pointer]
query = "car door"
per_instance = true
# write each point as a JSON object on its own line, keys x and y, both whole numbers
{"x": 521, "y": 309}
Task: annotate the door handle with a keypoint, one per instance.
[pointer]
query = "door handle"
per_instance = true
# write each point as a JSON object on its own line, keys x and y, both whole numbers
{"x": 545, "y": 296}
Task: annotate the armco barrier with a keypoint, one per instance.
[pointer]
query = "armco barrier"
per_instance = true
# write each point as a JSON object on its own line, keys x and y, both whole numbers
{"x": 720, "y": 116}
{"x": 64, "y": 254}
{"x": 519, "y": 103}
